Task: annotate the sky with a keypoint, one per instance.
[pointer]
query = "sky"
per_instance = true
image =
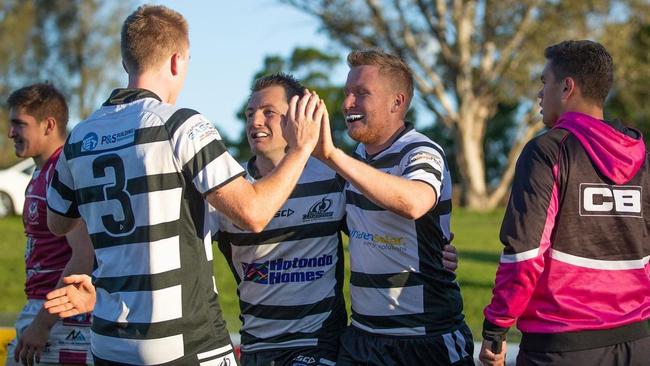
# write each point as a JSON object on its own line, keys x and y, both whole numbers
{"x": 228, "y": 43}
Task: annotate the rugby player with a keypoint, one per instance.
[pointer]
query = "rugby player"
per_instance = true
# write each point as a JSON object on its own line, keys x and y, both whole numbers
{"x": 38, "y": 115}
{"x": 406, "y": 308}
{"x": 290, "y": 275}
{"x": 141, "y": 172}
{"x": 574, "y": 268}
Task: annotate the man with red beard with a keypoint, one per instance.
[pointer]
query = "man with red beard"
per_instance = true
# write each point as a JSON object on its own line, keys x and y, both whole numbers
{"x": 406, "y": 308}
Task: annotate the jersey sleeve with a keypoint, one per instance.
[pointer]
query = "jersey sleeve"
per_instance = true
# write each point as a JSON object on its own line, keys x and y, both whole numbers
{"x": 61, "y": 198}
{"x": 202, "y": 154}
{"x": 525, "y": 234}
{"x": 426, "y": 164}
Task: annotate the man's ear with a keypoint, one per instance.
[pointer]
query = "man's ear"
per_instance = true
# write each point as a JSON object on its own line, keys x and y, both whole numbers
{"x": 174, "y": 63}
{"x": 50, "y": 125}
{"x": 399, "y": 102}
{"x": 569, "y": 87}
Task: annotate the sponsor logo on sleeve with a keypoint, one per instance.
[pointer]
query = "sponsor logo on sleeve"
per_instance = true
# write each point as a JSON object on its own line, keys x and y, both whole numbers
{"x": 425, "y": 157}
{"x": 202, "y": 130}
{"x": 610, "y": 200}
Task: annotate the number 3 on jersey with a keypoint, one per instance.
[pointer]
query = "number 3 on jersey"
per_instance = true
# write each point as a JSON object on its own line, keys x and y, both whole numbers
{"x": 115, "y": 192}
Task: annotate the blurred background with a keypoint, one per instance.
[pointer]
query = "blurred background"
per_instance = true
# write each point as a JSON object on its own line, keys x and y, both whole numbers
{"x": 477, "y": 67}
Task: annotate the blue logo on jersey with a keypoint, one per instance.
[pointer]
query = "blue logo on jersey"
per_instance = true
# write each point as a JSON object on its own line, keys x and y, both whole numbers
{"x": 89, "y": 142}
{"x": 319, "y": 210}
{"x": 128, "y": 135}
{"x": 285, "y": 271}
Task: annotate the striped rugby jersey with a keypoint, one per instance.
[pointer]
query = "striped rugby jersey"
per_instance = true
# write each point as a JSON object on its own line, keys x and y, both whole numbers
{"x": 290, "y": 276}
{"x": 398, "y": 285}
{"x": 136, "y": 171}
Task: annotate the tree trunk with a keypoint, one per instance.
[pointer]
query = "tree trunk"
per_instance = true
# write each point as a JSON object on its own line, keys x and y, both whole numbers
{"x": 471, "y": 162}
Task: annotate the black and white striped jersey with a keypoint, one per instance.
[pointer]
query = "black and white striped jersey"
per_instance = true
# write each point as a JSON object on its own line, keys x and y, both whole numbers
{"x": 137, "y": 171}
{"x": 398, "y": 285}
{"x": 290, "y": 275}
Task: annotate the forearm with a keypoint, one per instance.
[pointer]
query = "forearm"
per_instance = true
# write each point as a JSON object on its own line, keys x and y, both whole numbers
{"x": 410, "y": 199}
{"x": 252, "y": 206}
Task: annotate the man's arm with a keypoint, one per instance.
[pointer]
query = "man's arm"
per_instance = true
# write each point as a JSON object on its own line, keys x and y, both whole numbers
{"x": 526, "y": 235}
{"x": 408, "y": 198}
{"x": 34, "y": 338}
{"x": 61, "y": 225}
{"x": 252, "y": 206}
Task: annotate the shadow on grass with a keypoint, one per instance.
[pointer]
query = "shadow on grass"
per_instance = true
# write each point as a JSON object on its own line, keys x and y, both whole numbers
{"x": 480, "y": 256}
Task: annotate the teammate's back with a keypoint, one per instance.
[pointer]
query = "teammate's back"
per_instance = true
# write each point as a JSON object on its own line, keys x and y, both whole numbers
{"x": 133, "y": 185}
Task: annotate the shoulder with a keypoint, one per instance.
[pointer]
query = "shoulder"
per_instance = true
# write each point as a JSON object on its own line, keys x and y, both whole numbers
{"x": 545, "y": 146}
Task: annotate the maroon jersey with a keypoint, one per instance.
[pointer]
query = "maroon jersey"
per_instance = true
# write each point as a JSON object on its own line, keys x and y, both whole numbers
{"x": 45, "y": 254}
{"x": 574, "y": 273}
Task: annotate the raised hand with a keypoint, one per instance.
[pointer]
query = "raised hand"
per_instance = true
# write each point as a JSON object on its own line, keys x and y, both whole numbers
{"x": 302, "y": 125}
{"x": 76, "y": 298}
{"x": 325, "y": 146}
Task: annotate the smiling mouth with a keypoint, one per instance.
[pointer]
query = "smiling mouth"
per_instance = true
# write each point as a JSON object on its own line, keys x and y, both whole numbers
{"x": 353, "y": 118}
{"x": 257, "y": 135}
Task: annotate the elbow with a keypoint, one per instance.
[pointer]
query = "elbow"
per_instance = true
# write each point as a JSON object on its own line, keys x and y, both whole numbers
{"x": 414, "y": 212}
{"x": 254, "y": 224}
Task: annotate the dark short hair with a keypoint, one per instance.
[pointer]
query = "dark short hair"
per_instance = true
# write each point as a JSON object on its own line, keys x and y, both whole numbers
{"x": 390, "y": 65}
{"x": 291, "y": 85}
{"x": 587, "y": 62}
{"x": 41, "y": 101}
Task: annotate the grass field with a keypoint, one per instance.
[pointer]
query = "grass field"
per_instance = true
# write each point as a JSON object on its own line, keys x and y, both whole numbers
{"x": 476, "y": 237}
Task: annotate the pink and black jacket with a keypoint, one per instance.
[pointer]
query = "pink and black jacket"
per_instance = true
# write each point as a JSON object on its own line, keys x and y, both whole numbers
{"x": 574, "y": 272}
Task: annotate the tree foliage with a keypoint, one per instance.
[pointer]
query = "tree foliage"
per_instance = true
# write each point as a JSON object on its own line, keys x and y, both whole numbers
{"x": 474, "y": 60}
{"x": 74, "y": 44}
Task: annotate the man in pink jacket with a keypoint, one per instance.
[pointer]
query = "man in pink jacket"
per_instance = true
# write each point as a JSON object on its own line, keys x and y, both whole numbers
{"x": 574, "y": 272}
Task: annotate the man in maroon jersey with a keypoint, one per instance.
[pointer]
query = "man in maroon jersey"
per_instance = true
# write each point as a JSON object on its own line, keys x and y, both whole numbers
{"x": 574, "y": 273}
{"x": 38, "y": 115}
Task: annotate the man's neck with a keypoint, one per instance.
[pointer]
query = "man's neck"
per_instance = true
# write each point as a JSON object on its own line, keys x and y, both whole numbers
{"x": 590, "y": 109}
{"x": 375, "y": 148}
{"x": 45, "y": 155}
{"x": 153, "y": 84}
{"x": 266, "y": 163}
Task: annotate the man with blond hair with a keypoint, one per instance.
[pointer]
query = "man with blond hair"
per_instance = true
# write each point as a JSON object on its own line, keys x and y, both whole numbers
{"x": 141, "y": 172}
{"x": 406, "y": 307}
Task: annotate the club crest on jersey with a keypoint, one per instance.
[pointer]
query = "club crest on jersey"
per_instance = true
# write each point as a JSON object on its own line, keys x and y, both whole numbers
{"x": 33, "y": 212}
{"x": 610, "y": 200}
{"x": 319, "y": 210}
{"x": 281, "y": 270}
{"x": 89, "y": 143}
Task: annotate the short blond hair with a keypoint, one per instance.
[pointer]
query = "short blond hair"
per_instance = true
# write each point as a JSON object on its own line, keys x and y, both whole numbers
{"x": 391, "y": 66}
{"x": 151, "y": 34}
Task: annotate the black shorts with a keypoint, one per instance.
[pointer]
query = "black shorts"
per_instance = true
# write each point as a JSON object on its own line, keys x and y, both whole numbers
{"x": 632, "y": 353}
{"x": 362, "y": 348}
{"x": 303, "y": 356}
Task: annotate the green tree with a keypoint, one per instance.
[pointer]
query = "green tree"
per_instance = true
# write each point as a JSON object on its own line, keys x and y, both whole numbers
{"x": 629, "y": 100}
{"x": 472, "y": 57}
{"x": 73, "y": 44}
